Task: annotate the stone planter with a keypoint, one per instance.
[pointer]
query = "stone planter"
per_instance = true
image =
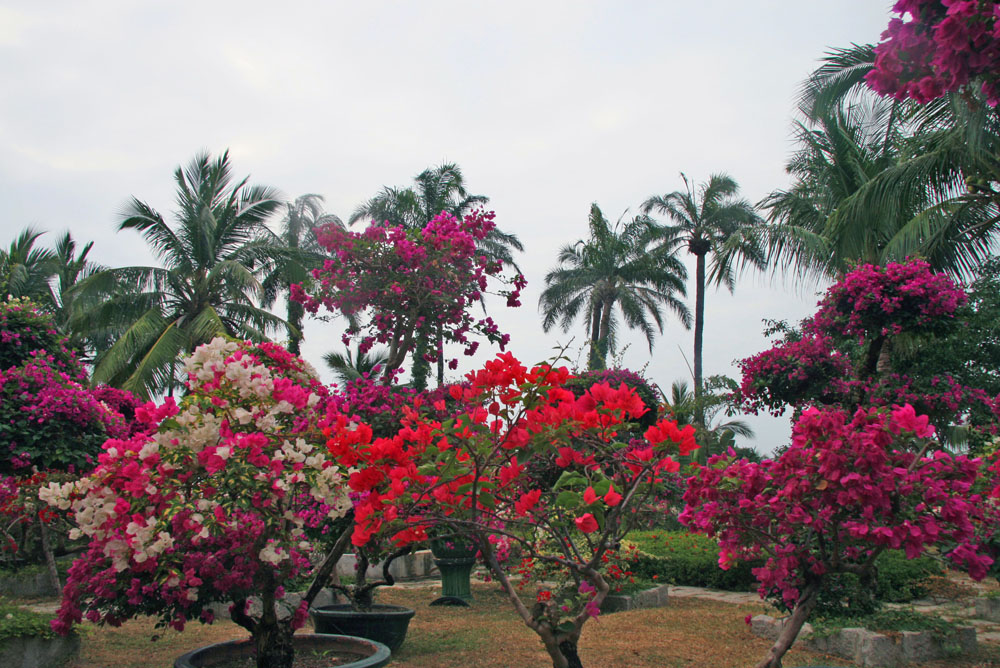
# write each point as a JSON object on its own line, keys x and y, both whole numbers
{"x": 988, "y": 608}
{"x": 412, "y": 566}
{"x": 869, "y": 648}
{"x": 31, "y": 585}
{"x": 38, "y": 652}
{"x": 648, "y": 598}
{"x": 370, "y": 654}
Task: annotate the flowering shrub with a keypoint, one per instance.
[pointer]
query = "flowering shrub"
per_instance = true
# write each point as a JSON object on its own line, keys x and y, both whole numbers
{"x": 841, "y": 357}
{"x": 943, "y": 46}
{"x": 847, "y": 489}
{"x": 468, "y": 475}
{"x": 25, "y": 330}
{"x": 413, "y": 283}
{"x": 872, "y": 301}
{"x": 212, "y": 506}
{"x": 792, "y": 372}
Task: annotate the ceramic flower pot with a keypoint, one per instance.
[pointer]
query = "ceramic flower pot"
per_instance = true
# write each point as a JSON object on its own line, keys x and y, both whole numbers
{"x": 359, "y": 652}
{"x": 386, "y": 624}
{"x": 455, "y": 558}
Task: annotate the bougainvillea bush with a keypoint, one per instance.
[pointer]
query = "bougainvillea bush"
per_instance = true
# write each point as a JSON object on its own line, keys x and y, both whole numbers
{"x": 468, "y": 476}
{"x": 937, "y": 46}
{"x": 411, "y": 284}
{"x": 212, "y": 506}
{"x": 843, "y": 355}
{"x": 848, "y": 488}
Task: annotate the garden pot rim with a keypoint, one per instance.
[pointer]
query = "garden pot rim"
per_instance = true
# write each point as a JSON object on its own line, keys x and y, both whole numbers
{"x": 377, "y": 609}
{"x": 378, "y": 658}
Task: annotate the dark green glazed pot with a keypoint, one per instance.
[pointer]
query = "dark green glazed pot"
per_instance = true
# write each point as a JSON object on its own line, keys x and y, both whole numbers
{"x": 371, "y": 654}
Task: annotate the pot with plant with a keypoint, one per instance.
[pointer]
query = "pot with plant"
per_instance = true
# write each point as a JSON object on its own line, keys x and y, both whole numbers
{"x": 212, "y": 506}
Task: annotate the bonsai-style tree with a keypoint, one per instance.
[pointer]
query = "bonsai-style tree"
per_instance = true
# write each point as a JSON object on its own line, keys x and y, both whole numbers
{"x": 467, "y": 476}
{"x": 843, "y": 354}
{"x": 212, "y": 507}
{"x": 51, "y": 423}
{"x": 848, "y": 488}
{"x": 410, "y": 281}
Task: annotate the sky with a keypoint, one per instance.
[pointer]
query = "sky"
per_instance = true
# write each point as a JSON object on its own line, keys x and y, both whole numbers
{"x": 546, "y": 106}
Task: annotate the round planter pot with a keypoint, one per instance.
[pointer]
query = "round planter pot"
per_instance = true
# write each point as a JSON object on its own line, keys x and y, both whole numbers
{"x": 370, "y": 654}
{"x": 386, "y": 624}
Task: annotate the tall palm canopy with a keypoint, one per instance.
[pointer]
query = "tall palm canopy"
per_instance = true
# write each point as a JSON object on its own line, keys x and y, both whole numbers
{"x": 300, "y": 253}
{"x": 208, "y": 285}
{"x": 434, "y": 190}
{"x": 719, "y": 229}
{"x": 878, "y": 180}
{"x": 24, "y": 269}
{"x": 68, "y": 304}
{"x": 616, "y": 266}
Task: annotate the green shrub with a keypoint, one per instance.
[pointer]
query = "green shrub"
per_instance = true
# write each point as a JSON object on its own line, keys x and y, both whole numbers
{"x": 901, "y": 580}
{"x": 680, "y": 558}
{"x": 17, "y": 622}
{"x": 889, "y": 620}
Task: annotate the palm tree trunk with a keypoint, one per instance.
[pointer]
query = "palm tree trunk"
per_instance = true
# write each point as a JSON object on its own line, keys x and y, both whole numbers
{"x": 595, "y": 335}
{"x": 605, "y": 332}
{"x": 699, "y": 330}
{"x": 440, "y": 354}
{"x": 296, "y": 312}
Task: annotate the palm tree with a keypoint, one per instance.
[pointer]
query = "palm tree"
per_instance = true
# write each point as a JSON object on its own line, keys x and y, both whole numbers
{"x": 879, "y": 180}
{"x": 615, "y": 267}
{"x": 350, "y": 367}
{"x": 715, "y": 225}
{"x": 25, "y": 270}
{"x": 69, "y": 304}
{"x": 436, "y": 189}
{"x": 713, "y": 438}
{"x": 212, "y": 256}
{"x": 301, "y": 253}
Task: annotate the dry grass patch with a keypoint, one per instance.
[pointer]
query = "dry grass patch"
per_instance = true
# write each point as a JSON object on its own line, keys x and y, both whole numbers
{"x": 689, "y": 632}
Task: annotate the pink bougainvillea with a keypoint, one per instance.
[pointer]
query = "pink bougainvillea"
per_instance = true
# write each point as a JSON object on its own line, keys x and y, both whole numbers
{"x": 848, "y": 488}
{"x": 937, "y": 46}
{"x": 411, "y": 282}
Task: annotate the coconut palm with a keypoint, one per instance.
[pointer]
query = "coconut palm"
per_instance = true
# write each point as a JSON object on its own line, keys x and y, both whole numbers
{"x": 212, "y": 256}
{"x": 615, "y": 267}
{"x": 25, "y": 270}
{"x": 721, "y": 231}
{"x": 300, "y": 253}
{"x": 879, "y": 180}
{"x": 69, "y": 304}
{"x": 435, "y": 190}
{"x": 351, "y": 366}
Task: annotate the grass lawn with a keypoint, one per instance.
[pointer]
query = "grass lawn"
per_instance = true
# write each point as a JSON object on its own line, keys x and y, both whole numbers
{"x": 689, "y": 632}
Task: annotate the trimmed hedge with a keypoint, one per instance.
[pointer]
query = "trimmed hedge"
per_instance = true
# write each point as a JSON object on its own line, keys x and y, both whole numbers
{"x": 689, "y": 560}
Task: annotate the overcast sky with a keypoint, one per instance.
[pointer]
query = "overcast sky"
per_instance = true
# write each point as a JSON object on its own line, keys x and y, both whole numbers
{"x": 546, "y": 106}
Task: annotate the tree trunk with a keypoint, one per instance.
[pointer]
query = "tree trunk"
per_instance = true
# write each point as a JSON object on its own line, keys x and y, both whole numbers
{"x": 273, "y": 642}
{"x": 440, "y": 354}
{"x": 604, "y": 334}
{"x": 595, "y": 335}
{"x": 790, "y": 631}
{"x": 421, "y": 368}
{"x": 50, "y": 559}
{"x": 699, "y": 330}
{"x": 296, "y": 312}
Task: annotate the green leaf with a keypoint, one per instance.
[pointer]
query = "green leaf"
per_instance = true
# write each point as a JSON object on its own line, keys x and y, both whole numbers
{"x": 570, "y": 479}
{"x": 569, "y": 499}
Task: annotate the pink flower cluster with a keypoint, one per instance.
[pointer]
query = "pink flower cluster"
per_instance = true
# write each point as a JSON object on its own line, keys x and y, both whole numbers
{"x": 943, "y": 46}
{"x": 845, "y": 489}
{"x": 52, "y": 421}
{"x": 410, "y": 281}
{"x": 874, "y": 301}
{"x": 212, "y": 506}
{"x": 808, "y": 369}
